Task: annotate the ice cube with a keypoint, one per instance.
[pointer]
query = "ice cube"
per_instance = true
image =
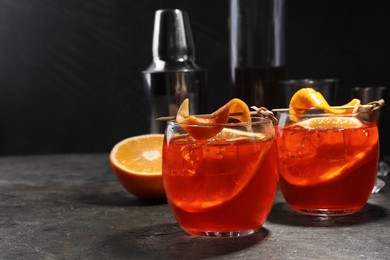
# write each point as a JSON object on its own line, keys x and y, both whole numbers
{"x": 379, "y": 184}
{"x": 192, "y": 156}
{"x": 309, "y": 144}
{"x": 357, "y": 138}
{"x": 220, "y": 160}
{"x": 333, "y": 146}
{"x": 300, "y": 144}
{"x": 383, "y": 168}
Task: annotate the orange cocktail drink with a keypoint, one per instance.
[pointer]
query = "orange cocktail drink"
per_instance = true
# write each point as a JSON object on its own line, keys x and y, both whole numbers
{"x": 223, "y": 185}
{"x": 327, "y": 162}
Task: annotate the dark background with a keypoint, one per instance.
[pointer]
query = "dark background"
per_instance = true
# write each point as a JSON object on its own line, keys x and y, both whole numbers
{"x": 70, "y": 70}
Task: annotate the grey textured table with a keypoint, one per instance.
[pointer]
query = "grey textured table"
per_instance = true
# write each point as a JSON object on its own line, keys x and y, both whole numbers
{"x": 72, "y": 207}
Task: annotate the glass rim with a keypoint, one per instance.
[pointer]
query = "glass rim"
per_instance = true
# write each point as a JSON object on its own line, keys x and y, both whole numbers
{"x": 259, "y": 121}
{"x": 380, "y": 87}
{"x": 321, "y": 113}
{"x": 308, "y": 81}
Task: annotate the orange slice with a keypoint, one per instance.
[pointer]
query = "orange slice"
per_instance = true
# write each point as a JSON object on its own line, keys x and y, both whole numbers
{"x": 299, "y": 170}
{"x": 235, "y": 134}
{"x": 331, "y": 122}
{"x": 300, "y": 173}
{"x": 204, "y": 127}
{"x": 137, "y": 164}
{"x": 307, "y": 98}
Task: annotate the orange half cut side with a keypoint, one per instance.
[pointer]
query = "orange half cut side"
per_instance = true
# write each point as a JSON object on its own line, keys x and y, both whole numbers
{"x": 137, "y": 164}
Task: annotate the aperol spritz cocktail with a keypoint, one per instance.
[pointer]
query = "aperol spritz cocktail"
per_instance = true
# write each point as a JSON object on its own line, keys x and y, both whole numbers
{"x": 224, "y": 185}
{"x": 328, "y": 163}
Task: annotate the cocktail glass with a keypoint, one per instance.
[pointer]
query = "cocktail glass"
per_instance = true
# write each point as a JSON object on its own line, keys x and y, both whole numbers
{"x": 223, "y": 186}
{"x": 327, "y": 163}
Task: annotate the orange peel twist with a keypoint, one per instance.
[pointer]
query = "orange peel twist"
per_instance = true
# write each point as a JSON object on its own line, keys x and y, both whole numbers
{"x": 308, "y": 98}
{"x": 204, "y": 127}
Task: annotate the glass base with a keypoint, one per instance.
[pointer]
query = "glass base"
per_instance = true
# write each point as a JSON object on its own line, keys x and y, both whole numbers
{"x": 241, "y": 233}
{"x": 327, "y": 212}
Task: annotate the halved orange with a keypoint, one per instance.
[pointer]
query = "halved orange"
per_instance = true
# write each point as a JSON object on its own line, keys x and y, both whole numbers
{"x": 200, "y": 127}
{"x": 307, "y": 98}
{"x": 137, "y": 163}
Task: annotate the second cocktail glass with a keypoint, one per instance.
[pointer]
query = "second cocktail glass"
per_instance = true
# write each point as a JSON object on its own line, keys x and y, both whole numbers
{"x": 328, "y": 163}
{"x": 223, "y": 186}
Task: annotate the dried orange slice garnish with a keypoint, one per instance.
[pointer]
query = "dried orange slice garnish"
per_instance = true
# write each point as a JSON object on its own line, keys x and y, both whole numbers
{"x": 200, "y": 127}
{"x": 307, "y": 98}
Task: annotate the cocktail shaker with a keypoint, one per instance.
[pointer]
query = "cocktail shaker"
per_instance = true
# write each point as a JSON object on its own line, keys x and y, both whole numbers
{"x": 173, "y": 74}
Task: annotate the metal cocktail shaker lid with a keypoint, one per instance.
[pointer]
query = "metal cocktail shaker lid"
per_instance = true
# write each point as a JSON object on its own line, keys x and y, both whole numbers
{"x": 173, "y": 45}
{"x": 173, "y": 75}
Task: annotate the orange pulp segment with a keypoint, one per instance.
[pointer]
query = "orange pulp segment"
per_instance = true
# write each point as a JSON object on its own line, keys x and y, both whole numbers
{"x": 204, "y": 127}
{"x": 137, "y": 163}
{"x": 307, "y": 98}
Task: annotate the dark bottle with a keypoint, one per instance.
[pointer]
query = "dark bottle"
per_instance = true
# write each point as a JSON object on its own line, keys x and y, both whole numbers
{"x": 257, "y": 51}
{"x": 173, "y": 74}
